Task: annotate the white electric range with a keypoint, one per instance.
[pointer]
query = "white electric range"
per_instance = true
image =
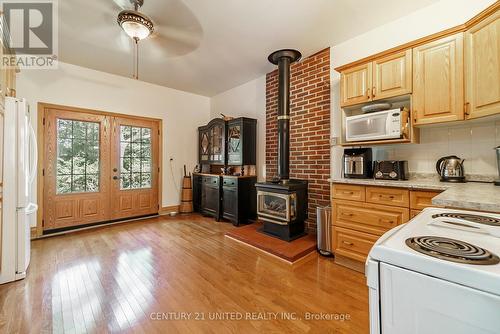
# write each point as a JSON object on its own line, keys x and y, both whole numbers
{"x": 437, "y": 274}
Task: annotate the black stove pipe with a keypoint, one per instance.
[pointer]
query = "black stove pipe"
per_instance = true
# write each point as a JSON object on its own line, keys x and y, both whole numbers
{"x": 284, "y": 58}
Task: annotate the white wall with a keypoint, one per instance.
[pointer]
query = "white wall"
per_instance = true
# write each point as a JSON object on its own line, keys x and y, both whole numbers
{"x": 248, "y": 100}
{"x": 428, "y": 20}
{"x": 181, "y": 112}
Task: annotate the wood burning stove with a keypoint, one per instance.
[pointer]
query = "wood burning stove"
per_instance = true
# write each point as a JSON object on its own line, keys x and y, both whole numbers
{"x": 282, "y": 203}
{"x": 282, "y": 208}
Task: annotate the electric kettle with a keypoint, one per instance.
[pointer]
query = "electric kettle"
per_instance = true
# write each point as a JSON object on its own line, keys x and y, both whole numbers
{"x": 451, "y": 169}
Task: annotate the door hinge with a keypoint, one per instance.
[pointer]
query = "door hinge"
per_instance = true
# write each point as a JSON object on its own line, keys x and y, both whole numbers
{"x": 43, "y": 121}
{"x": 158, "y": 169}
{"x": 43, "y": 222}
{"x": 158, "y": 132}
{"x": 43, "y": 172}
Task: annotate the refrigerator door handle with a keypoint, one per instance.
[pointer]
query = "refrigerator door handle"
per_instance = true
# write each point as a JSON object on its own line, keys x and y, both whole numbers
{"x": 34, "y": 148}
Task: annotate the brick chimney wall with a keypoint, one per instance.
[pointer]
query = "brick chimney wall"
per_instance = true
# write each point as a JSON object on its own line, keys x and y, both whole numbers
{"x": 310, "y": 127}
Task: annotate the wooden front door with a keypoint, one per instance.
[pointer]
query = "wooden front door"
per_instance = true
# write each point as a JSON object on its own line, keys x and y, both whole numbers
{"x": 98, "y": 167}
{"x": 76, "y": 168}
{"x": 135, "y": 169}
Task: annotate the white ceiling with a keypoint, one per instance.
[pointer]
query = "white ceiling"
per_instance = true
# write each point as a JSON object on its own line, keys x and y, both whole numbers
{"x": 209, "y": 46}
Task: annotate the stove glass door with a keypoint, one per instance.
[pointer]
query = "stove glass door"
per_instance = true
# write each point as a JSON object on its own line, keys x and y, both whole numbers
{"x": 281, "y": 207}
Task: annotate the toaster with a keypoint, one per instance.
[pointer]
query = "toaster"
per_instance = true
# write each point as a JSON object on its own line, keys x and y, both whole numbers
{"x": 390, "y": 170}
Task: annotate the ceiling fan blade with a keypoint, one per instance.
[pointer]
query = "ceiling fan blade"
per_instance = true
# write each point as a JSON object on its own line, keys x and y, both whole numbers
{"x": 124, "y": 4}
{"x": 172, "y": 42}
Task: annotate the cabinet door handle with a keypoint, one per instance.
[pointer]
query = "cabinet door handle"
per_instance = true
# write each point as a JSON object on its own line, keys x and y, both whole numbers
{"x": 347, "y": 243}
{"x": 368, "y": 93}
{"x": 387, "y": 221}
{"x": 466, "y": 108}
{"x": 348, "y": 192}
{"x": 373, "y": 91}
{"x": 386, "y": 196}
{"x": 347, "y": 214}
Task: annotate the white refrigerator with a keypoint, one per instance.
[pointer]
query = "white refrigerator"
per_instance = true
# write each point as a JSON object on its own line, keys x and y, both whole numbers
{"x": 19, "y": 171}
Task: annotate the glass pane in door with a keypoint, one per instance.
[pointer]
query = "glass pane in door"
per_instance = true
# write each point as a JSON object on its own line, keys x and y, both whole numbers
{"x": 135, "y": 157}
{"x": 77, "y": 167}
{"x": 234, "y": 144}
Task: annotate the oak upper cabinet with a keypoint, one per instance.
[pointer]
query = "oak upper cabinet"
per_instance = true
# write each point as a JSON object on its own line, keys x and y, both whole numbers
{"x": 438, "y": 81}
{"x": 356, "y": 85}
{"x": 382, "y": 78}
{"x": 392, "y": 75}
{"x": 482, "y": 67}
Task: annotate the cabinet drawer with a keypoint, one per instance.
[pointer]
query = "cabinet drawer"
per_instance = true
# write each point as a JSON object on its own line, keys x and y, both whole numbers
{"x": 413, "y": 213}
{"x": 421, "y": 199}
{"x": 388, "y": 196}
{"x": 352, "y": 244}
{"x": 369, "y": 218}
{"x": 210, "y": 180}
{"x": 349, "y": 192}
{"x": 229, "y": 182}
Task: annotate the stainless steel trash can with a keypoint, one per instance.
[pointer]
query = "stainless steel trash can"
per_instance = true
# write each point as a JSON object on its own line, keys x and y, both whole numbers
{"x": 324, "y": 230}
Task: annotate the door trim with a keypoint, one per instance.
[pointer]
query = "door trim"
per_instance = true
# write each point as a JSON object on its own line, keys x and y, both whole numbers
{"x": 41, "y": 107}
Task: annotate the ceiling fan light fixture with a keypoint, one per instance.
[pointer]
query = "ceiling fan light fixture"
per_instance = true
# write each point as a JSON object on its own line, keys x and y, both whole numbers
{"x": 136, "y": 25}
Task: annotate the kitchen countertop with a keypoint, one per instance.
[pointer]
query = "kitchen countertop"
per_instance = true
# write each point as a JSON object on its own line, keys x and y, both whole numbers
{"x": 469, "y": 196}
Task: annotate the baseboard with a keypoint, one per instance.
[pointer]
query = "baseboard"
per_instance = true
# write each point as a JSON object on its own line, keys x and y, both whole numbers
{"x": 169, "y": 209}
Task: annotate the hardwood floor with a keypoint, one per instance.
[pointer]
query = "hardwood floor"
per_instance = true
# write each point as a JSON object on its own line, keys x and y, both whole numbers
{"x": 123, "y": 278}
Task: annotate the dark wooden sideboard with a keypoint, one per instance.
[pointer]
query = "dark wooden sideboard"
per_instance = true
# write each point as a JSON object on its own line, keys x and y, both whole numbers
{"x": 223, "y": 196}
{"x": 230, "y": 197}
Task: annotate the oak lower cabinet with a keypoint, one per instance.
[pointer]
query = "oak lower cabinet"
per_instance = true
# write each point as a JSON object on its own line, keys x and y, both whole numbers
{"x": 239, "y": 199}
{"x": 211, "y": 196}
{"x": 361, "y": 214}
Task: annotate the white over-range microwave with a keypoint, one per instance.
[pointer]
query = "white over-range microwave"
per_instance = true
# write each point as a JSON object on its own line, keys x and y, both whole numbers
{"x": 387, "y": 124}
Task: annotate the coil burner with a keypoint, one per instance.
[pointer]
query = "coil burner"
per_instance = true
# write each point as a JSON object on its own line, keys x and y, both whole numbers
{"x": 452, "y": 250}
{"x": 479, "y": 219}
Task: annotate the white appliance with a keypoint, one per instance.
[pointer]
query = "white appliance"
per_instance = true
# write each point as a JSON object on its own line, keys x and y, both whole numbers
{"x": 387, "y": 124}
{"x": 19, "y": 170}
{"x": 439, "y": 273}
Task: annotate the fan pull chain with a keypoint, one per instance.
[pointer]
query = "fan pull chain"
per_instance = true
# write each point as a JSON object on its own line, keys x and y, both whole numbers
{"x": 136, "y": 58}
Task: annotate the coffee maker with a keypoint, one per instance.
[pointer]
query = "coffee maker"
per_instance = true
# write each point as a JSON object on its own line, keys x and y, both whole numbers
{"x": 358, "y": 163}
{"x": 497, "y": 182}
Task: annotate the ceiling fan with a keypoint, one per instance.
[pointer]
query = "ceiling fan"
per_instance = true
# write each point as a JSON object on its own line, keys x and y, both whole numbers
{"x": 178, "y": 31}
{"x": 137, "y": 26}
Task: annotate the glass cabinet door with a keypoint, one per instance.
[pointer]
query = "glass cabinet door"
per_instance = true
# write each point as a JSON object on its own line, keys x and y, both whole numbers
{"x": 217, "y": 145}
{"x": 234, "y": 144}
{"x": 204, "y": 146}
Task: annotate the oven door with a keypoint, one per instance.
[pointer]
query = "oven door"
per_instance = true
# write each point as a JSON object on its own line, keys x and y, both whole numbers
{"x": 276, "y": 208}
{"x": 413, "y": 303}
{"x": 375, "y": 126}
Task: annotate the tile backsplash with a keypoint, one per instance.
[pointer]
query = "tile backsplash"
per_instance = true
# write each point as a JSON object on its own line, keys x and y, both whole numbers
{"x": 473, "y": 142}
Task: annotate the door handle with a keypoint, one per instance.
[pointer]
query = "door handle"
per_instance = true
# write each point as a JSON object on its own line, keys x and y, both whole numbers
{"x": 115, "y": 169}
{"x": 115, "y": 177}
